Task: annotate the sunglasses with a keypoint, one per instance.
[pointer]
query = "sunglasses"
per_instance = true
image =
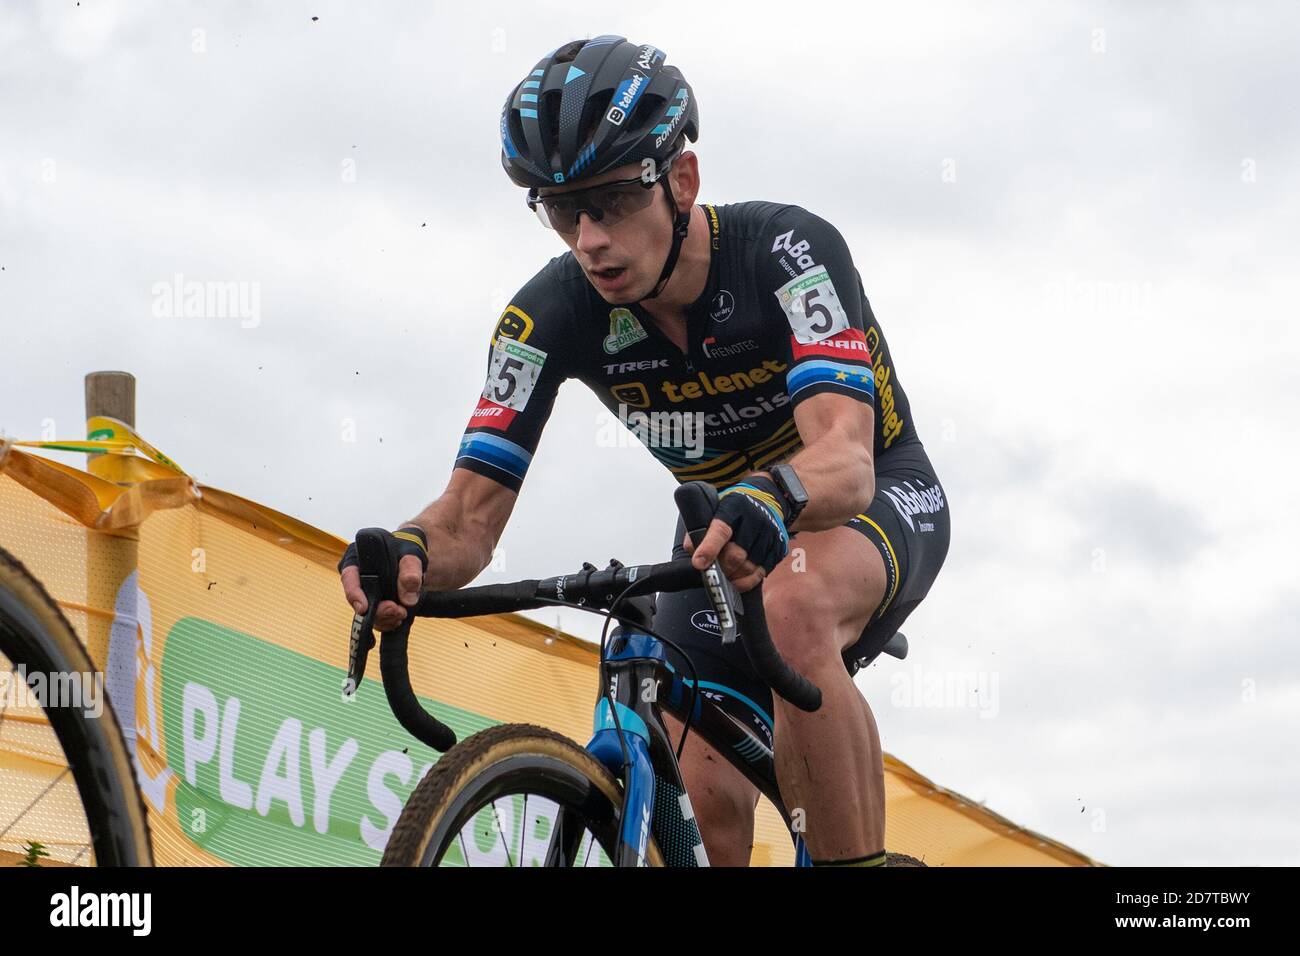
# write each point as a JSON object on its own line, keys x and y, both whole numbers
{"x": 608, "y": 203}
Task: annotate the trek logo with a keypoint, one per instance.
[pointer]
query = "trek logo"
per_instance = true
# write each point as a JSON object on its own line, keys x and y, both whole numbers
{"x": 644, "y": 365}
{"x": 910, "y": 501}
{"x": 721, "y": 384}
{"x": 799, "y": 250}
{"x": 713, "y": 350}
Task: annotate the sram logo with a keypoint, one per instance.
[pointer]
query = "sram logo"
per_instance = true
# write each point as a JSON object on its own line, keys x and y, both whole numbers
{"x": 849, "y": 344}
{"x": 489, "y": 414}
{"x": 799, "y": 250}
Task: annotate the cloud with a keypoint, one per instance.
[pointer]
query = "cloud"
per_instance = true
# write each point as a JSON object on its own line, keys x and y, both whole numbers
{"x": 1087, "y": 307}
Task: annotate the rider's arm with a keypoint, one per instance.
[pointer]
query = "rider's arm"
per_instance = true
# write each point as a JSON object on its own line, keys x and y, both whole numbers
{"x": 463, "y": 526}
{"x": 525, "y": 367}
{"x": 830, "y": 379}
{"x": 835, "y": 464}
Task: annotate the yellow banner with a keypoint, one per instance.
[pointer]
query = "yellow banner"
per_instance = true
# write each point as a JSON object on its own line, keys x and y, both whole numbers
{"x": 221, "y": 630}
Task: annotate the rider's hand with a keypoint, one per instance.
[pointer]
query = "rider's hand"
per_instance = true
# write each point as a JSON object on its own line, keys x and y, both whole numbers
{"x": 410, "y": 547}
{"x": 747, "y": 535}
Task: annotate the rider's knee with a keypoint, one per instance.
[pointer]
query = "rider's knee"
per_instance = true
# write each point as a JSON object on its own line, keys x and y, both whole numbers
{"x": 803, "y": 622}
{"x": 726, "y": 822}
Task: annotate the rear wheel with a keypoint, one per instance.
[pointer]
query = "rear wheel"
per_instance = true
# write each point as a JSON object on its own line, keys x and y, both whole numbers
{"x": 67, "y": 786}
{"x": 513, "y": 795}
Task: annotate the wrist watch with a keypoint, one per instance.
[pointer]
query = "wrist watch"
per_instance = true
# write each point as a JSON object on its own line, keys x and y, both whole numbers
{"x": 792, "y": 490}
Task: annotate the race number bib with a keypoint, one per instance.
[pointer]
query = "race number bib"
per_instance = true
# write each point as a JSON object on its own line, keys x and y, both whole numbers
{"x": 512, "y": 373}
{"x": 812, "y": 307}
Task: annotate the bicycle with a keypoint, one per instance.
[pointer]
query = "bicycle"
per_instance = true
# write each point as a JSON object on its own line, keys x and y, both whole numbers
{"x": 55, "y": 752}
{"x": 623, "y": 793}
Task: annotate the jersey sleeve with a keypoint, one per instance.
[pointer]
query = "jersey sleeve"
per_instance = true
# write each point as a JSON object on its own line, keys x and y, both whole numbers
{"x": 818, "y": 295}
{"x": 525, "y": 368}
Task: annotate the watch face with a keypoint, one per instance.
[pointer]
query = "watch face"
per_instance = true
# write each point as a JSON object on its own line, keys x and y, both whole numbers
{"x": 791, "y": 487}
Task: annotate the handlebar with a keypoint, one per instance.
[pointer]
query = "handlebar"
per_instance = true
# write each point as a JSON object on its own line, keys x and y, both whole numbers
{"x": 591, "y": 587}
{"x": 697, "y": 501}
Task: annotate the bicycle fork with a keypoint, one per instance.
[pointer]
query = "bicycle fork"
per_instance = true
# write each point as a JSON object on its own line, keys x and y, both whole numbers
{"x": 654, "y": 798}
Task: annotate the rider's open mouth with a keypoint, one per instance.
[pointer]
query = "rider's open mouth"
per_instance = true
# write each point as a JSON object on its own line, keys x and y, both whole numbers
{"x": 611, "y": 273}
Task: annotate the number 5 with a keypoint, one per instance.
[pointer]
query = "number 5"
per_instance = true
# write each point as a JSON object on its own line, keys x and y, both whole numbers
{"x": 509, "y": 365}
{"x": 809, "y": 308}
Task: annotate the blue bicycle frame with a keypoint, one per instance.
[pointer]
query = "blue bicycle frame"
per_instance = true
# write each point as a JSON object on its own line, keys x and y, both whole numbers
{"x": 643, "y": 757}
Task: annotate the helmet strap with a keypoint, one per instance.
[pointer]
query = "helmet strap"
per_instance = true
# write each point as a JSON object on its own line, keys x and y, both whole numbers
{"x": 681, "y": 223}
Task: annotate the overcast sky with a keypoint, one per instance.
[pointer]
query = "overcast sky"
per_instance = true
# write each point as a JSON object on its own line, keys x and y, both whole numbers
{"x": 1077, "y": 223}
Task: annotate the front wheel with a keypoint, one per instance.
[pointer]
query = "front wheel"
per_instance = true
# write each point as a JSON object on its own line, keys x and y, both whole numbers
{"x": 512, "y": 795}
{"x": 67, "y": 785}
{"x": 901, "y": 859}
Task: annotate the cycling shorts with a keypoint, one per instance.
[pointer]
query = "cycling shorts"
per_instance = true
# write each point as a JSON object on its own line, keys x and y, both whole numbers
{"x": 907, "y": 522}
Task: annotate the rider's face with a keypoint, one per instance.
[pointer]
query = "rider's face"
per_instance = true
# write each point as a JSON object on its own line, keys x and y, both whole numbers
{"x": 622, "y": 261}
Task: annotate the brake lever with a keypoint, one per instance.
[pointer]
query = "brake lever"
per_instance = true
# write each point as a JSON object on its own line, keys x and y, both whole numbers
{"x": 697, "y": 501}
{"x": 374, "y": 563}
{"x": 726, "y": 601}
{"x": 360, "y": 642}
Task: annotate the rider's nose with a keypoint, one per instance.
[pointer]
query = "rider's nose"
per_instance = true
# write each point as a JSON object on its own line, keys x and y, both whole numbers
{"x": 591, "y": 234}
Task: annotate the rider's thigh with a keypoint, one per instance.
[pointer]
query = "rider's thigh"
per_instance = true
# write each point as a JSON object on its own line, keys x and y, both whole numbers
{"x": 822, "y": 595}
{"x": 722, "y": 797}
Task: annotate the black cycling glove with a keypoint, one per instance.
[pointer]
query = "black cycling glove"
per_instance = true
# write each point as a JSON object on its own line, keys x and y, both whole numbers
{"x": 753, "y": 510}
{"x": 403, "y": 541}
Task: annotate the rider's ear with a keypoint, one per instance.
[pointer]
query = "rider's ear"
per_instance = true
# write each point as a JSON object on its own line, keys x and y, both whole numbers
{"x": 685, "y": 177}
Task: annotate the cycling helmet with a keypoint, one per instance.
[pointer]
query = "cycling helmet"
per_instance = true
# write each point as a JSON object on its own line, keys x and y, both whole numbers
{"x": 594, "y": 105}
{"x": 639, "y": 106}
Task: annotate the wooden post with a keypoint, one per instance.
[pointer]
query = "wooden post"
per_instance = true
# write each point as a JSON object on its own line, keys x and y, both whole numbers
{"x": 110, "y": 560}
{"x": 111, "y": 394}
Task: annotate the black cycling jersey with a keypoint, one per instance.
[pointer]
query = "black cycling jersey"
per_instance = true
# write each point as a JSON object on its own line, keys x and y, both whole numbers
{"x": 782, "y": 317}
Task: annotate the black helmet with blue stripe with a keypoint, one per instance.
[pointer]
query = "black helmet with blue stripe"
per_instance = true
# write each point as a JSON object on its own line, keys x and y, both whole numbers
{"x": 591, "y": 106}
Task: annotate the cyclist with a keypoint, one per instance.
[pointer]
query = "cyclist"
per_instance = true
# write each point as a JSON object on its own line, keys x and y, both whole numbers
{"x": 739, "y": 345}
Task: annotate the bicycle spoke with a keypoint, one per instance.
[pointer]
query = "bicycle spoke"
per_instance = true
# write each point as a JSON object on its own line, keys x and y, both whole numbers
{"x": 3, "y": 707}
{"x": 557, "y": 841}
{"x": 523, "y": 830}
{"x": 52, "y": 785}
{"x": 496, "y": 815}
